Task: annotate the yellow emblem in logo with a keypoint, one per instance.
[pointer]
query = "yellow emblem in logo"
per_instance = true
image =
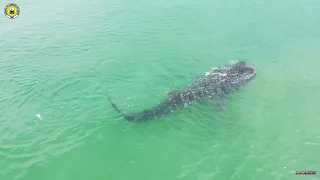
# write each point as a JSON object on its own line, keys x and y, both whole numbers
{"x": 12, "y": 10}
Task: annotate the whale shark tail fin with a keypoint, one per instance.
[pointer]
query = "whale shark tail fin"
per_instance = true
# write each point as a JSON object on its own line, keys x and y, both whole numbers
{"x": 114, "y": 105}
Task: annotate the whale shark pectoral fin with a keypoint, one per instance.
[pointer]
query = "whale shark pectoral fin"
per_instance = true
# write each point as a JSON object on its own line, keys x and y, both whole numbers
{"x": 172, "y": 93}
{"x": 221, "y": 102}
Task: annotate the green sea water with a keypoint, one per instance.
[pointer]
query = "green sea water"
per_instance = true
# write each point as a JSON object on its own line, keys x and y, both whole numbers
{"x": 60, "y": 59}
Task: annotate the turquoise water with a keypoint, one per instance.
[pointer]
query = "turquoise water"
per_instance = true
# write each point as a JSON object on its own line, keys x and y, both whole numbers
{"x": 59, "y": 60}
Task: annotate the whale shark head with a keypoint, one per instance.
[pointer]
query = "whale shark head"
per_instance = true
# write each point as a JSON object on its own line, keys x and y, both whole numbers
{"x": 242, "y": 72}
{"x": 236, "y": 74}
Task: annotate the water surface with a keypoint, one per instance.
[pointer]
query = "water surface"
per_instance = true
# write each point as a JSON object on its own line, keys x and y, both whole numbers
{"x": 61, "y": 64}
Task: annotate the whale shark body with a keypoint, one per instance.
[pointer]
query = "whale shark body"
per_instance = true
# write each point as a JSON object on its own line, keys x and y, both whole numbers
{"x": 216, "y": 85}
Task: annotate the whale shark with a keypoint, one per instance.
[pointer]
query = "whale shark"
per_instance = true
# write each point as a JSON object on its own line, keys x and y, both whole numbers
{"x": 215, "y": 85}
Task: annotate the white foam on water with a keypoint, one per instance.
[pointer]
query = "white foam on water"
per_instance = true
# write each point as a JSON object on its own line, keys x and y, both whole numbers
{"x": 38, "y": 116}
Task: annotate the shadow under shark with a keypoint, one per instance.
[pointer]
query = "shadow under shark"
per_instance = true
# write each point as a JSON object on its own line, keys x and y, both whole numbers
{"x": 216, "y": 85}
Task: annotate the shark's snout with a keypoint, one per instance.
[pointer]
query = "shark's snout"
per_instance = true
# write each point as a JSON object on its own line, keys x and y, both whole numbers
{"x": 251, "y": 68}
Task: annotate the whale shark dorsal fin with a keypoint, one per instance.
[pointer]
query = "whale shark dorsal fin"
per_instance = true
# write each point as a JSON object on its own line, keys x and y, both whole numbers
{"x": 172, "y": 93}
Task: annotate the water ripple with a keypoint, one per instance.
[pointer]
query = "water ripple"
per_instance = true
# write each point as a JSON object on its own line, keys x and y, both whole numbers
{"x": 27, "y": 140}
